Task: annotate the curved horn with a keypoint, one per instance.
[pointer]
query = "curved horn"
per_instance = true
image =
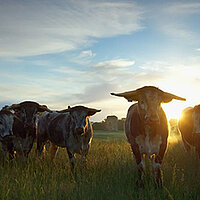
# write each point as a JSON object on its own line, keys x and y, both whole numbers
{"x": 167, "y": 97}
{"x": 130, "y": 95}
{"x": 92, "y": 111}
{"x": 13, "y": 107}
{"x": 42, "y": 108}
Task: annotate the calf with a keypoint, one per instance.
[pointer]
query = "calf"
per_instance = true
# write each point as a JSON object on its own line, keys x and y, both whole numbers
{"x": 146, "y": 127}
{"x": 24, "y": 127}
{"x": 68, "y": 128}
{"x": 189, "y": 127}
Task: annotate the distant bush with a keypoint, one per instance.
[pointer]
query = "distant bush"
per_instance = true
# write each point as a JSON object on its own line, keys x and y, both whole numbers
{"x": 121, "y": 123}
{"x": 98, "y": 125}
{"x": 102, "y": 125}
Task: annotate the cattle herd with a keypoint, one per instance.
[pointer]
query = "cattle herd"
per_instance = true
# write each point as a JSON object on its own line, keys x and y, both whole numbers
{"x": 146, "y": 129}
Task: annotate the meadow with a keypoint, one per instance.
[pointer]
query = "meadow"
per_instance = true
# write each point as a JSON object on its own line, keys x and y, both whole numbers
{"x": 108, "y": 174}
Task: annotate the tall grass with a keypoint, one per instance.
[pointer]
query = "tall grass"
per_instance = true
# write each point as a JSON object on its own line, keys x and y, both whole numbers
{"x": 108, "y": 174}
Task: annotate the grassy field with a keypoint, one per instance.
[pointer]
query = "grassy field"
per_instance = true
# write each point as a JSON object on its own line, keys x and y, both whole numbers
{"x": 108, "y": 174}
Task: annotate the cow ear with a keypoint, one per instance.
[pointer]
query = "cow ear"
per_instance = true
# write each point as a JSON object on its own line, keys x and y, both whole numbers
{"x": 65, "y": 110}
{"x": 130, "y": 95}
{"x": 92, "y": 111}
{"x": 167, "y": 97}
{"x": 42, "y": 108}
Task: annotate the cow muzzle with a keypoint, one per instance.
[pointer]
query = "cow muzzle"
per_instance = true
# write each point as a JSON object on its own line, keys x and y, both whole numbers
{"x": 152, "y": 119}
{"x": 80, "y": 131}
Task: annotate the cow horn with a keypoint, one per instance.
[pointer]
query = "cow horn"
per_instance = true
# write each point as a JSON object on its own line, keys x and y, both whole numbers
{"x": 43, "y": 108}
{"x": 92, "y": 111}
{"x": 167, "y": 97}
{"x": 130, "y": 95}
{"x": 13, "y": 107}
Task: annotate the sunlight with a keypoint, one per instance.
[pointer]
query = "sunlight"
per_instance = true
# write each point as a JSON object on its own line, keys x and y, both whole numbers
{"x": 180, "y": 88}
{"x": 173, "y": 109}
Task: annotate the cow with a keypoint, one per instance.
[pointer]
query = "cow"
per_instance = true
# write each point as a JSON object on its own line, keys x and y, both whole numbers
{"x": 189, "y": 127}
{"x": 23, "y": 127}
{"x": 69, "y": 128}
{"x": 146, "y": 127}
{"x": 6, "y": 133}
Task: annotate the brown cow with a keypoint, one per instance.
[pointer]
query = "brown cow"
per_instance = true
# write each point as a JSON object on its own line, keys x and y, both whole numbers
{"x": 24, "y": 127}
{"x": 189, "y": 127}
{"x": 146, "y": 127}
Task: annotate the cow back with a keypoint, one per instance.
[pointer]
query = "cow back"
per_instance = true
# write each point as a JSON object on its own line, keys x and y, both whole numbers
{"x": 59, "y": 129}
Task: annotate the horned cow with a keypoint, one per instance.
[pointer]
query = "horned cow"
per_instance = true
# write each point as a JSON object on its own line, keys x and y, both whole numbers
{"x": 69, "y": 128}
{"x": 23, "y": 127}
{"x": 146, "y": 127}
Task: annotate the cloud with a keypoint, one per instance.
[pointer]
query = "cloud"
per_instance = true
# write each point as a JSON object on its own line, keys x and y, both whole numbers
{"x": 87, "y": 53}
{"x": 95, "y": 93}
{"x": 173, "y": 19}
{"x": 183, "y": 8}
{"x": 116, "y": 63}
{"x": 69, "y": 70}
{"x": 42, "y": 27}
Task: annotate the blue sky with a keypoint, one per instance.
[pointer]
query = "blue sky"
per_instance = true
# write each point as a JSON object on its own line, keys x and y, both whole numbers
{"x": 68, "y": 52}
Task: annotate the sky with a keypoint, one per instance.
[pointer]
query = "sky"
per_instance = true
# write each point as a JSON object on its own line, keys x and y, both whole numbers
{"x": 76, "y": 52}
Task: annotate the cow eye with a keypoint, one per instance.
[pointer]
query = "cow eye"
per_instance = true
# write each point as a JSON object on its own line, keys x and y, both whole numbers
{"x": 142, "y": 104}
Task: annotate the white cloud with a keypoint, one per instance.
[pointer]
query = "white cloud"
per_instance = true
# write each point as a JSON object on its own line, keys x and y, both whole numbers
{"x": 87, "y": 53}
{"x": 41, "y": 27}
{"x": 184, "y": 8}
{"x": 116, "y": 63}
{"x": 68, "y": 70}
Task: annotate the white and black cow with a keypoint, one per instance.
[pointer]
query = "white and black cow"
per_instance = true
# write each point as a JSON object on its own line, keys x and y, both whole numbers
{"x": 23, "y": 127}
{"x": 189, "y": 126}
{"x": 146, "y": 127}
{"x": 6, "y": 133}
{"x": 69, "y": 128}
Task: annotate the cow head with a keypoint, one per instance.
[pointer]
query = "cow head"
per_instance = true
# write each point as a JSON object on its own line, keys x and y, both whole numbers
{"x": 196, "y": 119}
{"x": 149, "y": 100}
{"x": 27, "y": 111}
{"x": 6, "y": 123}
{"x": 80, "y": 115}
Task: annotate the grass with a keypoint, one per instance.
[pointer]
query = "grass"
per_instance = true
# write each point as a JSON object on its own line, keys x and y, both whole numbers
{"x": 108, "y": 174}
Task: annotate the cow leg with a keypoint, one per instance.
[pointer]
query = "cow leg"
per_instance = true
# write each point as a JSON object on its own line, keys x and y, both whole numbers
{"x": 186, "y": 145}
{"x": 157, "y": 164}
{"x": 157, "y": 171}
{"x": 53, "y": 150}
{"x": 10, "y": 149}
{"x": 40, "y": 144}
{"x": 140, "y": 164}
{"x": 4, "y": 151}
{"x": 197, "y": 148}
{"x": 84, "y": 154}
{"x": 71, "y": 159}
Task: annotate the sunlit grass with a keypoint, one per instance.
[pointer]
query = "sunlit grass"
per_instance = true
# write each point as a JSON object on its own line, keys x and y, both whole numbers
{"x": 108, "y": 174}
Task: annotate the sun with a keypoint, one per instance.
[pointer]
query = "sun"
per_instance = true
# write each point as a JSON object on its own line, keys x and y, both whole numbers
{"x": 173, "y": 109}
